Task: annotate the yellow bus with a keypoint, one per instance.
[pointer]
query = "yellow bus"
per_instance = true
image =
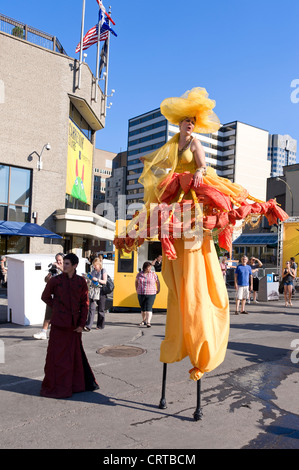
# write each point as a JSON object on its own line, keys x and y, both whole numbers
{"x": 126, "y": 267}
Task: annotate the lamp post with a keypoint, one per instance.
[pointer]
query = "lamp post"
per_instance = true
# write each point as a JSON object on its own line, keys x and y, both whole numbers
{"x": 291, "y": 194}
{"x": 39, "y": 156}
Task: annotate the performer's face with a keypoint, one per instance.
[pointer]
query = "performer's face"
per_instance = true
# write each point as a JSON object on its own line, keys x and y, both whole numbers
{"x": 187, "y": 126}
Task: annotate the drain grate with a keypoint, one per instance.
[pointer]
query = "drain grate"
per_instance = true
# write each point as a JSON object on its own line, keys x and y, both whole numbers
{"x": 121, "y": 351}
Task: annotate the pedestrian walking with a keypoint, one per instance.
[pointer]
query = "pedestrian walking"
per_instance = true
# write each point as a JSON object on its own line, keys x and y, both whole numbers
{"x": 243, "y": 283}
{"x": 147, "y": 285}
{"x": 97, "y": 300}
{"x": 67, "y": 370}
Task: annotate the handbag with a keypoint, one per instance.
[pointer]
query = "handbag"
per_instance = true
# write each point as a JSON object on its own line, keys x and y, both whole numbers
{"x": 108, "y": 287}
{"x": 94, "y": 292}
{"x": 281, "y": 287}
{"x": 94, "y": 288}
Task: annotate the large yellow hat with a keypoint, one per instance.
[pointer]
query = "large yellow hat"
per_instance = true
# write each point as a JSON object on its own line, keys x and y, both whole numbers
{"x": 192, "y": 104}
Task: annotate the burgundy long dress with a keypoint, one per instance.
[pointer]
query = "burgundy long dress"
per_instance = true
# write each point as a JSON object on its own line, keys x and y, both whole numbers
{"x": 67, "y": 370}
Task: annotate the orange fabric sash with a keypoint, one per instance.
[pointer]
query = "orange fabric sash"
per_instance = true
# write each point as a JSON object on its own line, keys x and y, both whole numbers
{"x": 219, "y": 214}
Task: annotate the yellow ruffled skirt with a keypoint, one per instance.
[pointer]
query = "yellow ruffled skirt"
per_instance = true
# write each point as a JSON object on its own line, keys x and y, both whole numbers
{"x": 237, "y": 193}
{"x": 197, "y": 323}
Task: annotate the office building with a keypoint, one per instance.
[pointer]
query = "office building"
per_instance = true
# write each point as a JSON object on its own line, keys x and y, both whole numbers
{"x": 47, "y": 127}
{"x": 102, "y": 170}
{"x": 115, "y": 196}
{"x": 285, "y": 189}
{"x": 237, "y": 151}
{"x": 282, "y": 151}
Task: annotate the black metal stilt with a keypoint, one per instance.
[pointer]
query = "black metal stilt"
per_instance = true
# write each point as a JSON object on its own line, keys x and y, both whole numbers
{"x": 162, "y": 404}
{"x": 198, "y": 412}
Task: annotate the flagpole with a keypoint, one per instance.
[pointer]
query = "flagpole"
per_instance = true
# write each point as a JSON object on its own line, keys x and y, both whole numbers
{"x": 98, "y": 61}
{"x": 81, "y": 45}
{"x": 107, "y": 67}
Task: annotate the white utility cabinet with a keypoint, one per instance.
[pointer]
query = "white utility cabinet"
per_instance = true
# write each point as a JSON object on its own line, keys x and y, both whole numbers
{"x": 25, "y": 283}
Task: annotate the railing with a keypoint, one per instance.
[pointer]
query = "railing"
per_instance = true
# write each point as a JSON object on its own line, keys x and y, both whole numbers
{"x": 23, "y": 31}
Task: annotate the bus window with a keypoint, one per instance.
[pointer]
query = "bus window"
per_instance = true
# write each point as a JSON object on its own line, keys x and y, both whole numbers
{"x": 125, "y": 262}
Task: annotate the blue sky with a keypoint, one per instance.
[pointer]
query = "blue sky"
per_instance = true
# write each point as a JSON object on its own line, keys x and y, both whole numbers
{"x": 245, "y": 53}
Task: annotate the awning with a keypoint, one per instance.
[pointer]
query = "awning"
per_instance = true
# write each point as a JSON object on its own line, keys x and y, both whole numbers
{"x": 257, "y": 239}
{"x": 25, "y": 229}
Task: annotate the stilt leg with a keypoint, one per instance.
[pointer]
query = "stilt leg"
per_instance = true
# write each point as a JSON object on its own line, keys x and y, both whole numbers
{"x": 198, "y": 412}
{"x": 162, "y": 404}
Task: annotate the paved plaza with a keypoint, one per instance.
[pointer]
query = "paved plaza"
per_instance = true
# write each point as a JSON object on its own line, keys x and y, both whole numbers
{"x": 249, "y": 402}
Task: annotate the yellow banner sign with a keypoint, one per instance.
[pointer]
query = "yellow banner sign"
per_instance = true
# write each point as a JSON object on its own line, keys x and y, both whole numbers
{"x": 79, "y": 165}
{"x": 290, "y": 247}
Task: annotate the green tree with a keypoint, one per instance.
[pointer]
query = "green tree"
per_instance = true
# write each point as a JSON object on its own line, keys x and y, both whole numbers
{"x": 18, "y": 32}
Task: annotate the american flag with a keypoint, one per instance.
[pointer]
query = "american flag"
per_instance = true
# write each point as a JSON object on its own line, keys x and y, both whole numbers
{"x": 91, "y": 37}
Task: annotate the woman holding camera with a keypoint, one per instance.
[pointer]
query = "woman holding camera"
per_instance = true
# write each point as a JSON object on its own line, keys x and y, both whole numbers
{"x": 55, "y": 269}
{"x": 255, "y": 265}
{"x": 288, "y": 277}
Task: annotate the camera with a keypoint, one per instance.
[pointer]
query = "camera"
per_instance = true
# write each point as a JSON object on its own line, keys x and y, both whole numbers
{"x": 53, "y": 270}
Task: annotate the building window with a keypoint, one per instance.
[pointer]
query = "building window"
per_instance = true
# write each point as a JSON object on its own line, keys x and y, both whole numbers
{"x": 15, "y": 193}
{"x": 147, "y": 128}
{"x": 79, "y": 120}
{"x": 147, "y": 138}
{"x": 74, "y": 203}
{"x": 136, "y": 121}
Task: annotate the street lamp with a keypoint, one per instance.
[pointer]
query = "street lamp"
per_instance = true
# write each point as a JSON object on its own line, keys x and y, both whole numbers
{"x": 291, "y": 194}
{"x": 39, "y": 156}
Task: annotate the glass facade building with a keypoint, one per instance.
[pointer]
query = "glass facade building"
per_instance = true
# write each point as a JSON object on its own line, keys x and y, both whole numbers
{"x": 151, "y": 130}
{"x": 15, "y": 204}
{"x": 282, "y": 151}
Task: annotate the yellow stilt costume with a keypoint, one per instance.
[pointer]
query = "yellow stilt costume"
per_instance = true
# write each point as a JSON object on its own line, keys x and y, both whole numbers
{"x": 197, "y": 323}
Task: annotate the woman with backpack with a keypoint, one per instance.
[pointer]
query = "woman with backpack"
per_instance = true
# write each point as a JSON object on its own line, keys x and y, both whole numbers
{"x": 97, "y": 299}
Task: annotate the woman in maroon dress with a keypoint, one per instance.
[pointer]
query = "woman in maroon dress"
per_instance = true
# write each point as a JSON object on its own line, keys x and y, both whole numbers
{"x": 67, "y": 370}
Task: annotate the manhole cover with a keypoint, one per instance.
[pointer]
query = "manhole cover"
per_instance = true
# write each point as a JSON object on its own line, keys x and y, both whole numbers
{"x": 121, "y": 351}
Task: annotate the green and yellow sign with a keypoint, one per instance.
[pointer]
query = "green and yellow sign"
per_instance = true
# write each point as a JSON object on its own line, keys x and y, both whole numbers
{"x": 79, "y": 165}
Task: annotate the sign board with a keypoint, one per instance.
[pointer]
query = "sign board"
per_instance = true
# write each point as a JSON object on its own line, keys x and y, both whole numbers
{"x": 79, "y": 165}
{"x": 290, "y": 247}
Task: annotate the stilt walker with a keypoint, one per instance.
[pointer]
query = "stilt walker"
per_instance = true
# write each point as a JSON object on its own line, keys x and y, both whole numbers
{"x": 186, "y": 203}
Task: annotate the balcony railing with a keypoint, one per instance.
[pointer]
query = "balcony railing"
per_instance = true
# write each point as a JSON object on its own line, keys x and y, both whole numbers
{"x": 23, "y": 31}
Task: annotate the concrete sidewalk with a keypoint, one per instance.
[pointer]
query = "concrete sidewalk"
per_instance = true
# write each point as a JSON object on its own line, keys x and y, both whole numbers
{"x": 250, "y": 401}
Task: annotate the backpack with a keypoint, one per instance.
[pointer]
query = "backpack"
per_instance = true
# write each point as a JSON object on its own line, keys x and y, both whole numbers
{"x": 108, "y": 288}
